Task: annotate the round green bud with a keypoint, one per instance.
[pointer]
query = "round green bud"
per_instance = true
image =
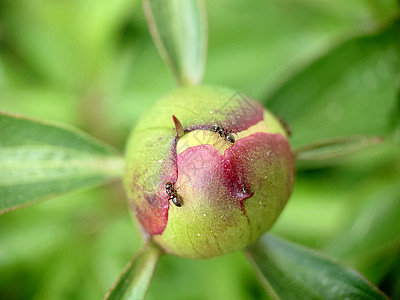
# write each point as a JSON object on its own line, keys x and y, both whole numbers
{"x": 208, "y": 171}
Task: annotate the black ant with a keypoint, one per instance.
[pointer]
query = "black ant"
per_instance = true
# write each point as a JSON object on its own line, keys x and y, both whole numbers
{"x": 225, "y": 133}
{"x": 173, "y": 194}
{"x": 285, "y": 125}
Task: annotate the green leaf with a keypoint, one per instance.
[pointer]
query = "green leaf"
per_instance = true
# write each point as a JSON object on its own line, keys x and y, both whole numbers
{"x": 39, "y": 34}
{"x": 349, "y": 91}
{"x": 395, "y": 120}
{"x": 331, "y": 148}
{"x": 275, "y": 40}
{"x": 290, "y": 271}
{"x": 369, "y": 239}
{"x": 179, "y": 30}
{"x": 40, "y": 161}
{"x": 135, "y": 279}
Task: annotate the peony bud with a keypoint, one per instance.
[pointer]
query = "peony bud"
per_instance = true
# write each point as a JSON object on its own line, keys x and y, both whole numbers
{"x": 208, "y": 171}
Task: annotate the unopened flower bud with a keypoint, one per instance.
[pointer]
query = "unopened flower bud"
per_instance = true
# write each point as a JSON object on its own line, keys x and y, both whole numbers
{"x": 208, "y": 171}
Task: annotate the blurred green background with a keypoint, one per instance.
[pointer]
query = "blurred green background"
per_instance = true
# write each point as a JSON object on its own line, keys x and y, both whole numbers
{"x": 329, "y": 68}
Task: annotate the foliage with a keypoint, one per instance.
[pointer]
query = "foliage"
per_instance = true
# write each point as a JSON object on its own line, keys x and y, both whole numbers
{"x": 290, "y": 271}
{"x": 40, "y": 161}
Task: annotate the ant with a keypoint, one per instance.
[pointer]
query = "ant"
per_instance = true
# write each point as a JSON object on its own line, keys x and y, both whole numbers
{"x": 285, "y": 126}
{"x": 225, "y": 133}
{"x": 173, "y": 194}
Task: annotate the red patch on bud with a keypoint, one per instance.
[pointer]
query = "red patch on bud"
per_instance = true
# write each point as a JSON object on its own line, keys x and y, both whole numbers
{"x": 154, "y": 214}
{"x": 234, "y": 176}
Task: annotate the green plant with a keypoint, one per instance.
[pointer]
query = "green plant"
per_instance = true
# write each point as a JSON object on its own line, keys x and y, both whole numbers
{"x": 42, "y": 160}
